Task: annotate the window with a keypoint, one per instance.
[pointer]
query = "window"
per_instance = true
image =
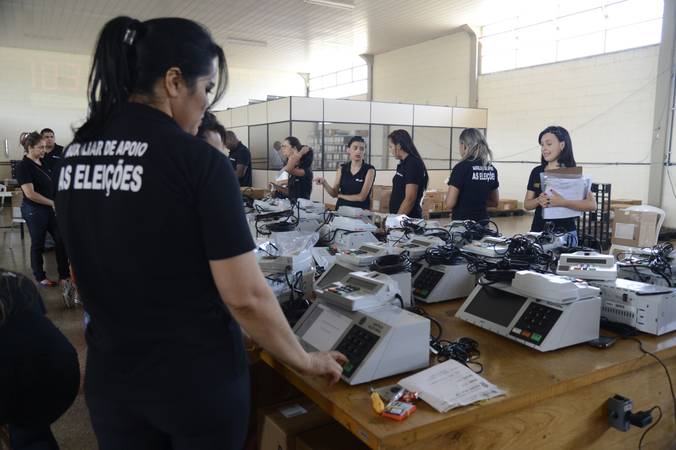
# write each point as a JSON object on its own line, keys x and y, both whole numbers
{"x": 344, "y": 83}
{"x": 558, "y": 30}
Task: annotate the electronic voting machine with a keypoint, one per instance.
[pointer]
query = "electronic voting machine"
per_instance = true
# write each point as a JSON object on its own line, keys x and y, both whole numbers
{"x": 378, "y": 342}
{"x": 587, "y": 265}
{"x": 542, "y": 311}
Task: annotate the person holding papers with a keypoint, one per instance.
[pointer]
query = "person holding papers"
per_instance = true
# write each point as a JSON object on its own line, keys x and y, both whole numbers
{"x": 557, "y": 152}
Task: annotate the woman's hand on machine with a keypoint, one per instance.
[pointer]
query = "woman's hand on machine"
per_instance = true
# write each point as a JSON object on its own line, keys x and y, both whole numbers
{"x": 319, "y": 180}
{"x": 328, "y": 364}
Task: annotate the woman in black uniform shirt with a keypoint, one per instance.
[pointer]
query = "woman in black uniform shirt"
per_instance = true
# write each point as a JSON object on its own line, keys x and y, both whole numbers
{"x": 354, "y": 179}
{"x": 166, "y": 368}
{"x": 37, "y": 208}
{"x": 39, "y": 369}
{"x": 299, "y": 167}
{"x": 557, "y": 152}
{"x": 473, "y": 184}
{"x": 410, "y": 180}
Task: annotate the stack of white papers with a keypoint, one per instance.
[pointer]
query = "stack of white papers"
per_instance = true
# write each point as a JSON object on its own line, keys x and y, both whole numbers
{"x": 449, "y": 385}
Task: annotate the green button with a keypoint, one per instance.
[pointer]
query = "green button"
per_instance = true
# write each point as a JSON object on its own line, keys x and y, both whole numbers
{"x": 424, "y": 293}
{"x": 536, "y": 337}
{"x": 348, "y": 368}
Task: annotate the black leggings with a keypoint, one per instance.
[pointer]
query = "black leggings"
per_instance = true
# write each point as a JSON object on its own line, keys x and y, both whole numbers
{"x": 41, "y": 219}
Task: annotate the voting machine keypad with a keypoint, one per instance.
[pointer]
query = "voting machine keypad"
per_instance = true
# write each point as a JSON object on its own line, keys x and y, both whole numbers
{"x": 355, "y": 346}
{"x": 426, "y": 282}
{"x": 535, "y": 323}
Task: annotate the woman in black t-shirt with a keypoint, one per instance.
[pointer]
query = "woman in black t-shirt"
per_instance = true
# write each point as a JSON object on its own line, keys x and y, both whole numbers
{"x": 39, "y": 369}
{"x": 299, "y": 167}
{"x": 37, "y": 209}
{"x": 473, "y": 184}
{"x": 166, "y": 366}
{"x": 354, "y": 179}
{"x": 557, "y": 152}
{"x": 410, "y": 180}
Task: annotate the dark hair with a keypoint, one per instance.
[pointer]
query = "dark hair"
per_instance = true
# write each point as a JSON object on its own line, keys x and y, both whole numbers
{"x": 355, "y": 139}
{"x": 294, "y": 142}
{"x": 404, "y": 140}
{"x": 566, "y": 158}
{"x": 131, "y": 56}
{"x": 16, "y": 294}
{"x": 46, "y": 130}
{"x": 210, "y": 123}
{"x": 29, "y": 139}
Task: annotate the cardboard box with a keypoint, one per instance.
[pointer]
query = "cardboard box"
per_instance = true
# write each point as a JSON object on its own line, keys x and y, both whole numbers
{"x": 380, "y": 198}
{"x": 505, "y": 205}
{"x": 330, "y": 437}
{"x": 635, "y": 228}
{"x": 254, "y": 193}
{"x": 433, "y": 201}
{"x": 280, "y": 424}
{"x": 625, "y": 201}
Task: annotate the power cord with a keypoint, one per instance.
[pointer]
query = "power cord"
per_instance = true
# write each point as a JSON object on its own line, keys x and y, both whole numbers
{"x": 654, "y": 424}
{"x": 666, "y": 369}
{"x": 465, "y": 350}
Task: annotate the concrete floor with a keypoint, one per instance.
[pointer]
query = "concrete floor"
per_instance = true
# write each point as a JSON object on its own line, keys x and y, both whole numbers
{"x": 73, "y": 430}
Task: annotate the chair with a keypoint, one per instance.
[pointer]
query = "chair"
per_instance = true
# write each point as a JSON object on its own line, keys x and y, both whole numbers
{"x": 17, "y": 218}
{"x": 3, "y": 195}
{"x": 653, "y": 209}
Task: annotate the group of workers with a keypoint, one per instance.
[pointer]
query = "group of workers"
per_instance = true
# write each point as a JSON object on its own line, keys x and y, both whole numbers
{"x": 153, "y": 224}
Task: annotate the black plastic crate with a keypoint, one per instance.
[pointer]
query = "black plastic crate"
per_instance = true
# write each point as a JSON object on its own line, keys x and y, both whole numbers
{"x": 593, "y": 228}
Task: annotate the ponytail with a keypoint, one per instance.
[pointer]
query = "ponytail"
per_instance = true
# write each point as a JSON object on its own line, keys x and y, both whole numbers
{"x": 131, "y": 56}
{"x": 29, "y": 139}
{"x": 476, "y": 146}
{"x": 404, "y": 140}
{"x": 110, "y": 78}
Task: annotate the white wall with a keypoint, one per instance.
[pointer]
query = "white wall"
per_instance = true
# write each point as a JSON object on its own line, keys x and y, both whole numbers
{"x": 606, "y": 102}
{"x": 38, "y": 90}
{"x": 48, "y": 89}
{"x": 434, "y": 72}
{"x": 246, "y": 84}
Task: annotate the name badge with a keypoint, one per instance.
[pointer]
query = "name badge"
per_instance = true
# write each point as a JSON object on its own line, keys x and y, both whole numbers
{"x": 358, "y": 180}
{"x": 233, "y": 159}
{"x": 397, "y": 174}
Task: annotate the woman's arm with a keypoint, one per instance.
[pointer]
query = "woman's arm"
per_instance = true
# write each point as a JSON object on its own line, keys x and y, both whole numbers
{"x": 409, "y": 199}
{"x": 452, "y": 197}
{"x": 333, "y": 191}
{"x": 252, "y": 303}
{"x": 493, "y": 199}
{"x": 532, "y": 202}
{"x": 588, "y": 204}
{"x": 29, "y": 192}
{"x": 365, "y": 189}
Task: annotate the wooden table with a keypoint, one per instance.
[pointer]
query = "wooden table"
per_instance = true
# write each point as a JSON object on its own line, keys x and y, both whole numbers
{"x": 554, "y": 400}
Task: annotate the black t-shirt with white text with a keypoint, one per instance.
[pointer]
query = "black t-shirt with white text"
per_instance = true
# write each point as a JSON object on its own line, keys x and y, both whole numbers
{"x": 143, "y": 208}
{"x": 242, "y": 156}
{"x": 409, "y": 171}
{"x": 567, "y": 224}
{"x": 475, "y": 183}
{"x": 27, "y": 172}
{"x": 353, "y": 184}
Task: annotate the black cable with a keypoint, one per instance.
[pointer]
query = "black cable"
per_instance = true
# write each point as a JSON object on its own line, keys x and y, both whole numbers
{"x": 654, "y": 424}
{"x": 392, "y": 264}
{"x": 401, "y": 300}
{"x": 666, "y": 370}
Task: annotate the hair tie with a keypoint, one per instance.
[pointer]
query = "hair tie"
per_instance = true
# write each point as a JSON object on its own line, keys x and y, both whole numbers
{"x": 129, "y": 37}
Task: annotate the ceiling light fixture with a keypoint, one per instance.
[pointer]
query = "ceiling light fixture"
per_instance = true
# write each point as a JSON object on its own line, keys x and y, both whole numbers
{"x": 332, "y": 4}
{"x": 250, "y": 42}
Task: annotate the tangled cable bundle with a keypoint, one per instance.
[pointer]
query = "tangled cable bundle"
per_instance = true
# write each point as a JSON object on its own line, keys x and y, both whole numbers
{"x": 659, "y": 261}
